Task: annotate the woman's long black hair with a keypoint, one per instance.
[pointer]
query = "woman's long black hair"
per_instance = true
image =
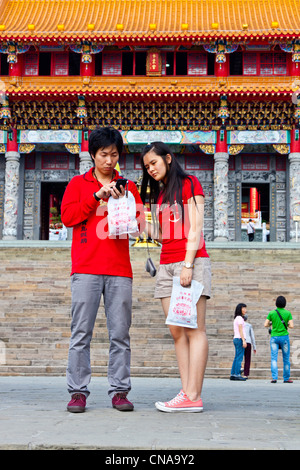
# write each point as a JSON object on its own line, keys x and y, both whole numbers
{"x": 172, "y": 190}
{"x": 238, "y": 310}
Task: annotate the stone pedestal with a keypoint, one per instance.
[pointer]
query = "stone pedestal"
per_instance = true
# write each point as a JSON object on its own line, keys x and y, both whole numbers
{"x": 11, "y": 195}
{"x": 221, "y": 197}
{"x": 294, "y": 186}
{"x": 85, "y": 162}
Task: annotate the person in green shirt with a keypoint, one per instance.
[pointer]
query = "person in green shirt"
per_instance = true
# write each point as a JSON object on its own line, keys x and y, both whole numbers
{"x": 280, "y": 338}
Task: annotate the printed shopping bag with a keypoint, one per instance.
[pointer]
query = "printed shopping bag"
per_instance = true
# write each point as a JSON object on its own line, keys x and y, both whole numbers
{"x": 122, "y": 215}
{"x": 183, "y": 310}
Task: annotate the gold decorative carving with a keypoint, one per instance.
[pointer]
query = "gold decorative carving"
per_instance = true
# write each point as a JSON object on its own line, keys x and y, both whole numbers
{"x": 207, "y": 148}
{"x": 235, "y": 149}
{"x": 73, "y": 148}
{"x": 26, "y": 148}
{"x": 282, "y": 148}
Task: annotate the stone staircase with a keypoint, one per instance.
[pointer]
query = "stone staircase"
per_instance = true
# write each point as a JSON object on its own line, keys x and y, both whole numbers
{"x": 35, "y": 311}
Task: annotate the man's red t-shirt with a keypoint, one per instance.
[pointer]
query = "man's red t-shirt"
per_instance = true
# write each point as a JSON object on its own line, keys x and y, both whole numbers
{"x": 174, "y": 231}
{"x": 93, "y": 250}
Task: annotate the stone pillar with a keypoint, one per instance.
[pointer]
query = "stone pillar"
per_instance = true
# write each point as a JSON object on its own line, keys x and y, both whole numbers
{"x": 11, "y": 195}
{"x": 221, "y": 188}
{"x": 294, "y": 187}
{"x": 85, "y": 160}
{"x": 221, "y": 197}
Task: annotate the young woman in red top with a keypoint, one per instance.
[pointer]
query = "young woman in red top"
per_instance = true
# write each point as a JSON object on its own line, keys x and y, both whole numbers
{"x": 177, "y": 205}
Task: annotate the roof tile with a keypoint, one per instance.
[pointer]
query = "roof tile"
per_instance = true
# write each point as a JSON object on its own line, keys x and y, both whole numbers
{"x": 136, "y": 15}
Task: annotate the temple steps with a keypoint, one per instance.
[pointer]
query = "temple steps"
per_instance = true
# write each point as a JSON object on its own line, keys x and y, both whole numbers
{"x": 35, "y": 312}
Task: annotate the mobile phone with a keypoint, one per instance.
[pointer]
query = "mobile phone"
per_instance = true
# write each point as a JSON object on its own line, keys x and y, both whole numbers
{"x": 121, "y": 182}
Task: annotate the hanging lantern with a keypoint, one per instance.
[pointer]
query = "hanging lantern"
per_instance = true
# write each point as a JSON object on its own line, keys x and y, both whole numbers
{"x": 5, "y": 112}
{"x": 12, "y": 57}
{"x": 81, "y": 110}
{"x": 220, "y": 58}
{"x": 296, "y": 54}
{"x": 223, "y": 112}
{"x": 297, "y": 112}
{"x": 86, "y": 57}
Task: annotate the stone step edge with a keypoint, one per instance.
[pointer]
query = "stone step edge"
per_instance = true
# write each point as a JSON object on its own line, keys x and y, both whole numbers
{"x": 101, "y": 371}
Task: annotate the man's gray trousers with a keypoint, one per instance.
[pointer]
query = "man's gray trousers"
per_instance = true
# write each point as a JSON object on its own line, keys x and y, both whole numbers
{"x": 86, "y": 294}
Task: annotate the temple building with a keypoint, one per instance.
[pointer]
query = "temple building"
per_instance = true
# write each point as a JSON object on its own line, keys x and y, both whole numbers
{"x": 219, "y": 81}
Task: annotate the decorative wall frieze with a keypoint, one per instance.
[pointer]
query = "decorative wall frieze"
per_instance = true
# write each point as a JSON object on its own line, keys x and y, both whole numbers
{"x": 152, "y": 115}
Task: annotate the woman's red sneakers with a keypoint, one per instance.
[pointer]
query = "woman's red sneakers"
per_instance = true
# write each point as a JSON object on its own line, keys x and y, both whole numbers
{"x": 180, "y": 403}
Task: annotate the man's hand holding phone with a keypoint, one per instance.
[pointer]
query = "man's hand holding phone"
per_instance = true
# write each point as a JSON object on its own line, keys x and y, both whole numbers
{"x": 115, "y": 189}
{"x": 119, "y": 188}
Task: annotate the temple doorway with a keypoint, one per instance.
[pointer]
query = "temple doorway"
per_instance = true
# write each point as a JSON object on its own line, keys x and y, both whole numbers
{"x": 256, "y": 206}
{"x": 51, "y": 198}
{"x": 256, "y": 198}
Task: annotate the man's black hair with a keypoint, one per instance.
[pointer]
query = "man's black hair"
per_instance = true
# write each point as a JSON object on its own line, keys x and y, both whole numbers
{"x": 281, "y": 301}
{"x": 105, "y": 137}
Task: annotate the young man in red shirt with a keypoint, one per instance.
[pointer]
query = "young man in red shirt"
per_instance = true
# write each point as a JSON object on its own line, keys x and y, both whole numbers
{"x": 100, "y": 265}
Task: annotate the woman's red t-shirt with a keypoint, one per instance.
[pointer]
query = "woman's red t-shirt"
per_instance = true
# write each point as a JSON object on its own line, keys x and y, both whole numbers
{"x": 174, "y": 231}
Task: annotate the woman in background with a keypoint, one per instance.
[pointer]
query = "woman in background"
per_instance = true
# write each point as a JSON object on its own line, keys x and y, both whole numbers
{"x": 239, "y": 341}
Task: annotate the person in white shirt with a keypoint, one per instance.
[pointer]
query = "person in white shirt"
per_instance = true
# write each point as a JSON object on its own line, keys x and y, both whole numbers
{"x": 250, "y": 340}
{"x": 250, "y": 230}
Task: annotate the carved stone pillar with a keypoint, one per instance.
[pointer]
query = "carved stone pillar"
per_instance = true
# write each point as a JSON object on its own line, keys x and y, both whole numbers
{"x": 85, "y": 162}
{"x": 221, "y": 197}
{"x": 11, "y": 195}
{"x": 294, "y": 183}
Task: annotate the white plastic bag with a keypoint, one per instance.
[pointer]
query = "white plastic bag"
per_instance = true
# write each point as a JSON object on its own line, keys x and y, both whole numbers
{"x": 183, "y": 309}
{"x": 122, "y": 215}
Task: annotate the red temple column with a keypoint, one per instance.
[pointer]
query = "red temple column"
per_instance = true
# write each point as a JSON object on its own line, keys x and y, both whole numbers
{"x": 15, "y": 70}
{"x": 295, "y": 141}
{"x": 12, "y": 144}
{"x": 87, "y": 70}
{"x": 294, "y": 67}
{"x": 221, "y": 144}
{"x": 222, "y": 69}
{"x": 84, "y": 141}
{"x": 253, "y": 201}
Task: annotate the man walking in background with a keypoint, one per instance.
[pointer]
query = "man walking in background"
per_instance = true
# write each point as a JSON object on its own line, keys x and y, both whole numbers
{"x": 280, "y": 319}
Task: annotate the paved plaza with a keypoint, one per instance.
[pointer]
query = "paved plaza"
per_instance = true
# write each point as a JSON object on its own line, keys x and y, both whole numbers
{"x": 237, "y": 416}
